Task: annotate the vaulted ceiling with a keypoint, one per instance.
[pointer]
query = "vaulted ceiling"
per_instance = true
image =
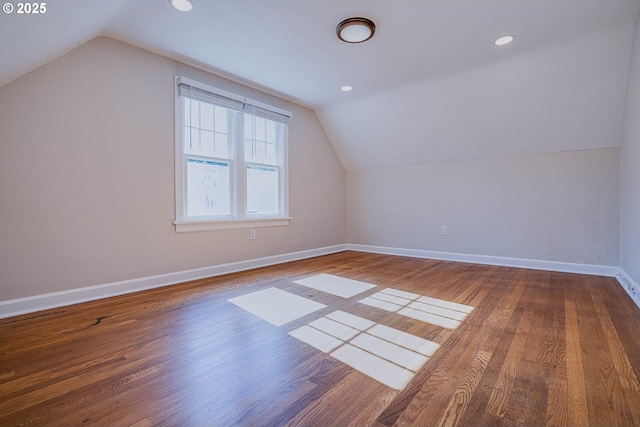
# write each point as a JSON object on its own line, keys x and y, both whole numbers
{"x": 429, "y": 87}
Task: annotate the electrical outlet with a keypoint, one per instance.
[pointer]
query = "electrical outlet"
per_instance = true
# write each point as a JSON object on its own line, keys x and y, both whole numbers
{"x": 253, "y": 235}
{"x": 445, "y": 230}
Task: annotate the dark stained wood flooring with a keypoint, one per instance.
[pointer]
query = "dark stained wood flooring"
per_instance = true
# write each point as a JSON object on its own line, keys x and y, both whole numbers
{"x": 540, "y": 348}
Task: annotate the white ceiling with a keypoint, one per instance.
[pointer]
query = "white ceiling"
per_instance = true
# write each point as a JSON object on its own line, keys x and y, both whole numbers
{"x": 289, "y": 48}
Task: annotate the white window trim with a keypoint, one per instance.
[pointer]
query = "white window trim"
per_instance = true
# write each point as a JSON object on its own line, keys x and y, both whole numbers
{"x": 191, "y": 226}
{"x": 184, "y": 225}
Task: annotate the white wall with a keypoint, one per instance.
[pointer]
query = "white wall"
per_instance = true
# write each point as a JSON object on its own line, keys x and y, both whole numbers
{"x": 562, "y": 97}
{"x": 87, "y": 176}
{"x": 630, "y": 170}
{"x": 554, "y": 207}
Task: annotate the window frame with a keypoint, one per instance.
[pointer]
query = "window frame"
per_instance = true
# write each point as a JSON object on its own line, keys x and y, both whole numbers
{"x": 239, "y": 217}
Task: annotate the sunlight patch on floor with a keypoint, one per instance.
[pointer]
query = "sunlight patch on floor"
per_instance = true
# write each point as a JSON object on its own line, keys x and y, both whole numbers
{"x": 389, "y": 356}
{"x": 335, "y": 285}
{"x": 438, "y": 312}
{"x": 276, "y": 306}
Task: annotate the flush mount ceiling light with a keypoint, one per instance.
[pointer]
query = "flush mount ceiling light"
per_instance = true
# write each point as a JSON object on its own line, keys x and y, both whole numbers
{"x": 182, "y": 5}
{"x": 355, "y": 30}
{"x": 504, "y": 40}
{"x": 346, "y": 88}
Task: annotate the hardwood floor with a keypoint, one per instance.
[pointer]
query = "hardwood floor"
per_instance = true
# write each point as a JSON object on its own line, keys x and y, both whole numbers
{"x": 539, "y": 348}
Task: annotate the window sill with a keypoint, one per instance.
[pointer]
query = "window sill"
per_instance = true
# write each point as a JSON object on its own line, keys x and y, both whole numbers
{"x": 193, "y": 226}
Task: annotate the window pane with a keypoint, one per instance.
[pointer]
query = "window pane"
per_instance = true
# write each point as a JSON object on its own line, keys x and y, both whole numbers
{"x": 192, "y": 141}
{"x": 206, "y": 113}
{"x": 208, "y": 188}
{"x": 272, "y": 155}
{"x": 222, "y": 145}
{"x": 249, "y": 152}
{"x": 195, "y": 113}
{"x": 248, "y": 127}
{"x": 262, "y": 190}
{"x": 186, "y": 109}
{"x": 187, "y": 139}
{"x": 271, "y": 131}
{"x": 257, "y": 152}
{"x": 206, "y": 143}
{"x": 261, "y": 155}
{"x": 222, "y": 120}
{"x": 261, "y": 129}
{"x": 261, "y": 140}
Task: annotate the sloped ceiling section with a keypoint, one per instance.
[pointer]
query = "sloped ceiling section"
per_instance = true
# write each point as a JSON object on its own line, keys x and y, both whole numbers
{"x": 28, "y": 41}
{"x": 429, "y": 87}
{"x": 568, "y": 96}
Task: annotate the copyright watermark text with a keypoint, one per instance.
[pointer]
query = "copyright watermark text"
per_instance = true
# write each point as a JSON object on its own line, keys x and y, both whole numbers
{"x": 25, "y": 8}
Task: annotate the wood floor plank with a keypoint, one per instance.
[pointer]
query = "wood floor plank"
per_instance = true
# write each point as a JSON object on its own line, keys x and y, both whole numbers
{"x": 607, "y": 397}
{"x": 476, "y": 410}
{"x": 467, "y": 387}
{"x": 142, "y": 423}
{"x": 506, "y": 378}
{"x": 625, "y": 322}
{"x": 633, "y": 399}
{"x": 624, "y": 370}
{"x": 557, "y": 409}
{"x": 557, "y": 413}
{"x": 577, "y": 398}
{"x": 539, "y": 349}
{"x": 527, "y": 403}
{"x": 357, "y": 409}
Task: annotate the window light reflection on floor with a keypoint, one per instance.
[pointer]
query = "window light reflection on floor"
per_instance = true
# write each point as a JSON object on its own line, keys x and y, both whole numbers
{"x": 385, "y": 354}
{"x": 389, "y": 356}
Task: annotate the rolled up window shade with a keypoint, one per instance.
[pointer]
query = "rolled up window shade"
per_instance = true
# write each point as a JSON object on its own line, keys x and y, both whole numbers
{"x": 192, "y": 92}
{"x": 266, "y": 114}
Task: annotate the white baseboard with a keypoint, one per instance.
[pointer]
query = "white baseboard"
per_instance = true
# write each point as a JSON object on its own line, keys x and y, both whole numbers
{"x": 629, "y": 285}
{"x": 35, "y": 303}
{"x": 624, "y": 279}
{"x": 565, "y": 267}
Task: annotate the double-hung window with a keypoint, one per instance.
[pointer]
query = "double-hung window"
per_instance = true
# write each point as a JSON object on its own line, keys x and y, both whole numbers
{"x": 231, "y": 160}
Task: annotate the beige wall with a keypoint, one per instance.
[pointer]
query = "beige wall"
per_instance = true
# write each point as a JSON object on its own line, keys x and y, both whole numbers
{"x": 556, "y": 207}
{"x": 630, "y": 170}
{"x": 87, "y": 176}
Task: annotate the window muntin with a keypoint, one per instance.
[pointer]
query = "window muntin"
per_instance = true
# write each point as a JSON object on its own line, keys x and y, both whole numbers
{"x": 233, "y": 163}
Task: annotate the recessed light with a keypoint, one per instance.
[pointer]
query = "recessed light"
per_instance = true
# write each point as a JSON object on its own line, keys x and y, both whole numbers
{"x": 355, "y": 30}
{"x": 182, "y": 5}
{"x": 346, "y": 88}
{"x": 504, "y": 40}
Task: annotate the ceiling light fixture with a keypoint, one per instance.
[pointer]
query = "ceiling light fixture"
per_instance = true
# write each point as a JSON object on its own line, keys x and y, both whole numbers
{"x": 355, "y": 30}
{"x": 504, "y": 40}
{"x": 346, "y": 88}
{"x": 182, "y": 5}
